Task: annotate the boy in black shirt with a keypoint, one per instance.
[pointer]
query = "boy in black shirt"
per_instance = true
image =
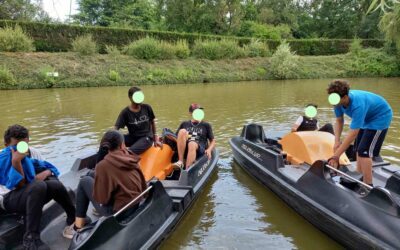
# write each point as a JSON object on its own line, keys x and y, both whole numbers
{"x": 194, "y": 136}
{"x": 139, "y": 118}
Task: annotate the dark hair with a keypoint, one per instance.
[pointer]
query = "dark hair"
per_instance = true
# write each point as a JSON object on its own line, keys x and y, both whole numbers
{"x": 111, "y": 140}
{"x": 341, "y": 87}
{"x": 132, "y": 90}
{"x": 15, "y": 131}
{"x": 312, "y": 104}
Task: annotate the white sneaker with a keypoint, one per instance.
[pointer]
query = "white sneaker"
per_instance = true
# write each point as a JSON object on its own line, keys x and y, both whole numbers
{"x": 69, "y": 231}
{"x": 178, "y": 165}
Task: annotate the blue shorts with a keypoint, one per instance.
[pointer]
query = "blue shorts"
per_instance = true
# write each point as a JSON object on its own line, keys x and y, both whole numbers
{"x": 369, "y": 142}
{"x": 201, "y": 149}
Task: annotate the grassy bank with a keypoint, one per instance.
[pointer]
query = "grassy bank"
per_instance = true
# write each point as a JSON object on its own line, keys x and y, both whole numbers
{"x": 30, "y": 69}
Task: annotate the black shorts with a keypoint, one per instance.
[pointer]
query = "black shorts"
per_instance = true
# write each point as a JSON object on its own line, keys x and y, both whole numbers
{"x": 369, "y": 142}
{"x": 138, "y": 145}
{"x": 201, "y": 149}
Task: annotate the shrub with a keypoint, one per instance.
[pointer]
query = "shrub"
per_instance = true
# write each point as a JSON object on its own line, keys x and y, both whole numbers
{"x": 84, "y": 45}
{"x": 113, "y": 75}
{"x": 355, "y": 47}
{"x": 182, "y": 50}
{"x": 266, "y": 31}
{"x": 7, "y": 78}
{"x": 15, "y": 40}
{"x": 214, "y": 49}
{"x": 113, "y": 50}
{"x": 46, "y": 75}
{"x": 283, "y": 62}
{"x": 257, "y": 48}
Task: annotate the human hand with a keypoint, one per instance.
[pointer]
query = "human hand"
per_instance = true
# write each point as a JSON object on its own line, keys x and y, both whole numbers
{"x": 334, "y": 161}
{"x": 208, "y": 153}
{"x": 157, "y": 142}
{"x": 17, "y": 157}
{"x": 337, "y": 145}
{"x": 43, "y": 175}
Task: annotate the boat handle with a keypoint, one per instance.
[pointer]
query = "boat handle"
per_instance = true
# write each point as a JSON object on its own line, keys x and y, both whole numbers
{"x": 348, "y": 176}
{"x": 133, "y": 201}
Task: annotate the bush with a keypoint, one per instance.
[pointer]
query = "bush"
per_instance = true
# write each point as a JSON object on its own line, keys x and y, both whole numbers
{"x": 113, "y": 75}
{"x": 15, "y": 40}
{"x": 213, "y": 49}
{"x": 113, "y": 51}
{"x": 257, "y": 48}
{"x": 84, "y": 45}
{"x": 7, "y": 78}
{"x": 355, "y": 47}
{"x": 46, "y": 75}
{"x": 182, "y": 50}
{"x": 266, "y": 31}
{"x": 283, "y": 62}
{"x": 373, "y": 62}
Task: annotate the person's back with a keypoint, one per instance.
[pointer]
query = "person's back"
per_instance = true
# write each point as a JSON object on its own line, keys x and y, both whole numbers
{"x": 118, "y": 178}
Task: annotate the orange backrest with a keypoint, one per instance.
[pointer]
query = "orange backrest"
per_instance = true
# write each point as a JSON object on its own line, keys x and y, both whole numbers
{"x": 310, "y": 146}
{"x": 156, "y": 162}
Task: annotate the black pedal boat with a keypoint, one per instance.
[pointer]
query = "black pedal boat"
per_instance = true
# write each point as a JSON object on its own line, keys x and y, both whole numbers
{"x": 143, "y": 227}
{"x": 334, "y": 204}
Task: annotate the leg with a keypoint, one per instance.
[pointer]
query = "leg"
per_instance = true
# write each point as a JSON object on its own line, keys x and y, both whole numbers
{"x": 327, "y": 128}
{"x": 181, "y": 143}
{"x": 191, "y": 156}
{"x": 141, "y": 145}
{"x": 368, "y": 147}
{"x": 28, "y": 201}
{"x": 57, "y": 191}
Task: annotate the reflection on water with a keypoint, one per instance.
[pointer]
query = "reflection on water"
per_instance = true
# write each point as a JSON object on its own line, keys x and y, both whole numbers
{"x": 233, "y": 211}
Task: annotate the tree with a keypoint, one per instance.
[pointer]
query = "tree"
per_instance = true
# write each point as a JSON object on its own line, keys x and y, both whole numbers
{"x": 25, "y": 10}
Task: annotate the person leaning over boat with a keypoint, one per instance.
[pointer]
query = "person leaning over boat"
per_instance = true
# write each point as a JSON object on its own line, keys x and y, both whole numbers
{"x": 117, "y": 181}
{"x": 370, "y": 119}
{"x": 139, "y": 118}
{"x": 193, "y": 137}
{"x": 305, "y": 123}
{"x": 27, "y": 183}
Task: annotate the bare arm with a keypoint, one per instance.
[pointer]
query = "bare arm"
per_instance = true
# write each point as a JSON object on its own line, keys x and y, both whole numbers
{"x": 16, "y": 163}
{"x": 338, "y": 131}
{"x": 295, "y": 127}
{"x": 351, "y": 136}
{"x": 210, "y": 148}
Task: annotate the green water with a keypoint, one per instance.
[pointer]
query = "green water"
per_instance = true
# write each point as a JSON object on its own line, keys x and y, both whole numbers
{"x": 233, "y": 211}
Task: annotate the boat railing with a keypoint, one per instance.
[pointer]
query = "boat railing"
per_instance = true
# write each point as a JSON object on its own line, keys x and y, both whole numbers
{"x": 133, "y": 201}
{"x": 349, "y": 177}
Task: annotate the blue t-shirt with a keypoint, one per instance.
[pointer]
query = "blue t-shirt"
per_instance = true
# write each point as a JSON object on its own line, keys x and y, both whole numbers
{"x": 367, "y": 111}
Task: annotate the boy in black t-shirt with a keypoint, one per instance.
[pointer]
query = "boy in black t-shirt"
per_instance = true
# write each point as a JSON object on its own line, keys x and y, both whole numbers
{"x": 139, "y": 118}
{"x": 194, "y": 136}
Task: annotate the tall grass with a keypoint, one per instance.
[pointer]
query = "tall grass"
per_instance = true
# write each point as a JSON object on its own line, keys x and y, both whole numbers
{"x": 7, "y": 78}
{"x": 15, "y": 40}
{"x": 149, "y": 48}
{"x": 84, "y": 45}
{"x": 218, "y": 49}
{"x": 257, "y": 48}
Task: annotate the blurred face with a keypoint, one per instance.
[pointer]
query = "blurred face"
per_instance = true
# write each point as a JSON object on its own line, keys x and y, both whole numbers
{"x": 14, "y": 141}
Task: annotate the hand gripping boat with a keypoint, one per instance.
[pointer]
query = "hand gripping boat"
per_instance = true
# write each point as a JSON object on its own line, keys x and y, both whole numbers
{"x": 168, "y": 196}
{"x": 294, "y": 167}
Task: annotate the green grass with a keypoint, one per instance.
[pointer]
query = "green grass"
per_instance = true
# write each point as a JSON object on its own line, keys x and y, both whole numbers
{"x": 97, "y": 70}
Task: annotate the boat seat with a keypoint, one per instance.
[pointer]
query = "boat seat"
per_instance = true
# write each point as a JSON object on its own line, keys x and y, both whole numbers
{"x": 254, "y": 133}
{"x": 156, "y": 162}
{"x": 309, "y": 147}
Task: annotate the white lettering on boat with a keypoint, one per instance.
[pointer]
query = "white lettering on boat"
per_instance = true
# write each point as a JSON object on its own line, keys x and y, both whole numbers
{"x": 204, "y": 167}
{"x": 252, "y": 152}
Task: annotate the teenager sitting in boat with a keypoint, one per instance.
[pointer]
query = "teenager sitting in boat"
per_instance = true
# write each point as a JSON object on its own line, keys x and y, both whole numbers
{"x": 27, "y": 183}
{"x": 139, "y": 118}
{"x": 306, "y": 123}
{"x": 193, "y": 137}
{"x": 370, "y": 119}
{"x": 117, "y": 181}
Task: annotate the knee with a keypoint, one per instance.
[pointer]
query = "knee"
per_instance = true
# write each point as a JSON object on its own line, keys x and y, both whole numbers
{"x": 182, "y": 132}
{"x": 192, "y": 146}
{"x": 85, "y": 181}
{"x": 38, "y": 187}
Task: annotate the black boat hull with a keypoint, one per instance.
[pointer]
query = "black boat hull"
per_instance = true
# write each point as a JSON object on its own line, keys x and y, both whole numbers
{"x": 355, "y": 224}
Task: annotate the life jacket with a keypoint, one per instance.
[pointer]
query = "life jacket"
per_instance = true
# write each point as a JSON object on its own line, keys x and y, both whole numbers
{"x": 308, "y": 124}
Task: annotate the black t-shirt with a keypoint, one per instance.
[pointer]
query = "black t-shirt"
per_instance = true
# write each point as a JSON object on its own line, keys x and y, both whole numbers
{"x": 138, "y": 123}
{"x": 200, "y": 132}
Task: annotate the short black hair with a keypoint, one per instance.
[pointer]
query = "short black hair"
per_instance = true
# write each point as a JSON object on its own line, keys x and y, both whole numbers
{"x": 15, "y": 131}
{"x": 132, "y": 90}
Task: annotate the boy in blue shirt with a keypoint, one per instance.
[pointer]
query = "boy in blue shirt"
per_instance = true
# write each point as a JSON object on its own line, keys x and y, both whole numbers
{"x": 370, "y": 119}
